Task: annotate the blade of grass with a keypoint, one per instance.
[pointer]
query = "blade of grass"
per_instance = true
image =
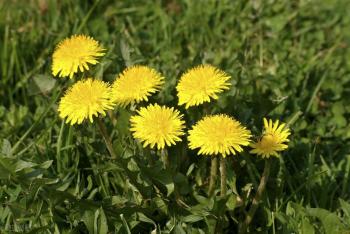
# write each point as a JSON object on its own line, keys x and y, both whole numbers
{"x": 36, "y": 123}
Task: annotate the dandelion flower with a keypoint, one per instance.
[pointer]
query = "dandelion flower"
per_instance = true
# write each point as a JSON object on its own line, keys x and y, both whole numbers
{"x": 273, "y": 140}
{"x": 218, "y": 134}
{"x": 85, "y": 99}
{"x": 136, "y": 84}
{"x": 201, "y": 83}
{"x": 157, "y": 126}
{"x": 75, "y": 52}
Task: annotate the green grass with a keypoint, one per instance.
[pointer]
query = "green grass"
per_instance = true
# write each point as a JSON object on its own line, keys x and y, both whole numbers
{"x": 285, "y": 57}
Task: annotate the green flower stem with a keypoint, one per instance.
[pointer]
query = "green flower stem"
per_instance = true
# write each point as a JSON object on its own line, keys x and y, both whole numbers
{"x": 112, "y": 117}
{"x": 213, "y": 173}
{"x": 58, "y": 148}
{"x": 257, "y": 198}
{"x": 223, "y": 174}
{"x": 106, "y": 137}
{"x": 165, "y": 157}
{"x": 121, "y": 163}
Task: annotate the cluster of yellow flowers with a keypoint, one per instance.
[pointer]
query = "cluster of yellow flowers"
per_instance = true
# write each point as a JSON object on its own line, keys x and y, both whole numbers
{"x": 157, "y": 126}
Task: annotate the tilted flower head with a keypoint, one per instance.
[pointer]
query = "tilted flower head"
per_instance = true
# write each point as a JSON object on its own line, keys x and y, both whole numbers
{"x": 136, "y": 84}
{"x": 85, "y": 99}
{"x": 201, "y": 83}
{"x": 73, "y": 53}
{"x": 273, "y": 140}
{"x": 157, "y": 126}
{"x": 218, "y": 134}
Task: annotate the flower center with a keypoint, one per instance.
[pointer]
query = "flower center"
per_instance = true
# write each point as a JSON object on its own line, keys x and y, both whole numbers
{"x": 161, "y": 127}
{"x": 268, "y": 142}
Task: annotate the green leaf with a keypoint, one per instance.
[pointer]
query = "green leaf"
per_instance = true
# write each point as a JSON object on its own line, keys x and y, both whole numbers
{"x": 46, "y": 164}
{"x": 7, "y": 167}
{"x": 287, "y": 220}
{"x": 306, "y": 227}
{"x": 192, "y": 218}
{"x": 10, "y": 166}
{"x": 144, "y": 218}
{"x": 123, "y": 121}
{"x": 179, "y": 229}
{"x": 125, "y": 224}
{"x": 161, "y": 205}
{"x": 102, "y": 223}
{"x": 190, "y": 169}
{"x": 330, "y": 221}
{"x": 161, "y": 176}
{"x": 66, "y": 183}
{"x": 231, "y": 202}
{"x": 345, "y": 206}
{"x": 44, "y": 83}
{"x": 88, "y": 219}
{"x": 6, "y": 148}
{"x": 125, "y": 50}
{"x": 118, "y": 201}
{"x": 20, "y": 165}
{"x": 211, "y": 224}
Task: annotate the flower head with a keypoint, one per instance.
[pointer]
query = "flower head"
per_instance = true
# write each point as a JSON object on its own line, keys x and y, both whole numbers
{"x": 218, "y": 134}
{"x": 73, "y": 53}
{"x": 135, "y": 84}
{"x": 273, "y": 140}
{"x": 85, "y": 99}
{"x": 201, "y": 83}
{"x": 157, "y": 126}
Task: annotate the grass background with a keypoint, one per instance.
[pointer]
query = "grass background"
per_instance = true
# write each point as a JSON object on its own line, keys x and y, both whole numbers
{"x": 285, "y": 57}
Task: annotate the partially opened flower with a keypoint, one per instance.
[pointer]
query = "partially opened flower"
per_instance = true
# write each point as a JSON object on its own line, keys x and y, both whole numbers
{"x": 84, "y": 100}
{"x": 157, "y": 126}
{"x": 218, "y": 134}
{"x": 273, "y": 140}
{"x": 74, "y": 53}
{"x": 200, "y": 84}
{"x": 136, "y": 84}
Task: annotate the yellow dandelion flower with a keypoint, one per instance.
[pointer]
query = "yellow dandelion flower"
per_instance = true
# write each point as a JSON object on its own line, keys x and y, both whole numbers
{"x": 136, "y": 84}
{"x": 218, "y": 134}
{"x": 73, "y": 53}
{"x": 157, "y": 126}
{"x": 85, "y": 99}
{"x": 273, "y": 140}
{"x": 201, "y": 83}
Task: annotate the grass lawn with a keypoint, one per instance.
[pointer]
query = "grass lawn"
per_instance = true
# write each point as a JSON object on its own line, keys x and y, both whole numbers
{"x": 288, "y": 60}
